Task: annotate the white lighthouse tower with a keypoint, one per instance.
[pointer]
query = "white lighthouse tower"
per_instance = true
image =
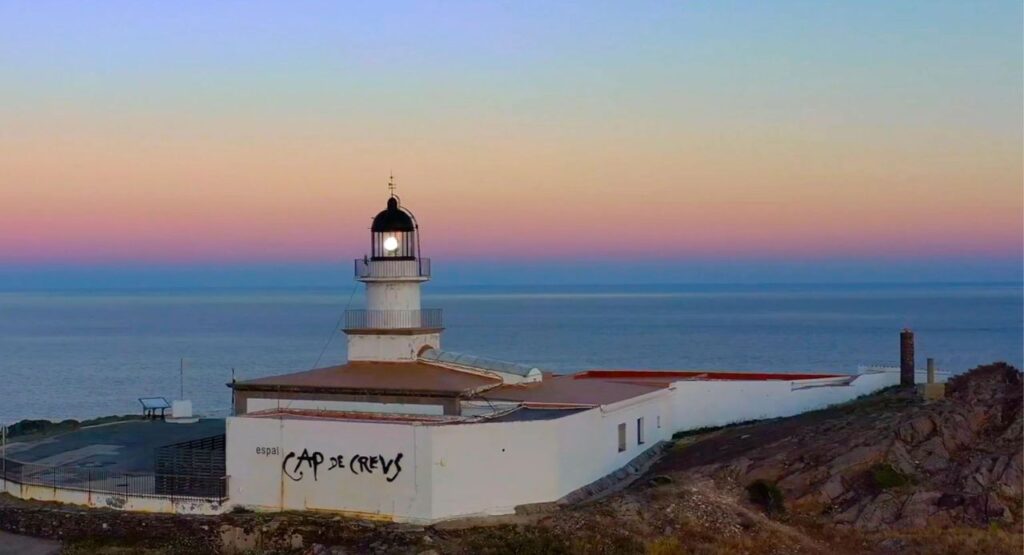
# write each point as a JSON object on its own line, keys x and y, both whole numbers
{"x": 393, "y": 327}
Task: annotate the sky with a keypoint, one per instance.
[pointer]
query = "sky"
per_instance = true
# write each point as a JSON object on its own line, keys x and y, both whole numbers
{"x": 566, "y": 141}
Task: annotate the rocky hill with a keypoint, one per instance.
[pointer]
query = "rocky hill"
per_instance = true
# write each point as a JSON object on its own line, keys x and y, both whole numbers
{"x": 894, "y": 462}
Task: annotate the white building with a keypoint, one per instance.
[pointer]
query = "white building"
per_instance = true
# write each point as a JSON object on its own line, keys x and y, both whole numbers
{"x": 406, "y": 431}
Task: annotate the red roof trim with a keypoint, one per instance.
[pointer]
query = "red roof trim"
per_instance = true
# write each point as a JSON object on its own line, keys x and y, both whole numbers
{"x": 350, "y": 415}
{"x": 671, "y": 375}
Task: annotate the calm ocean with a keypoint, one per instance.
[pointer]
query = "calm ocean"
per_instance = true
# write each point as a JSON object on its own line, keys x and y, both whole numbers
{"x": 84, "y": 354}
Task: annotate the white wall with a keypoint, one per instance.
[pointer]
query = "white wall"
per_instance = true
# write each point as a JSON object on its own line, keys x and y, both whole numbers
{"x": 490, "y": 468}
{"x": 588, "y": 442}
{"x": 267, "y": 469}
{"x": 393, "y": 295}
{"x": 138, "y": 503}
{"x": 698, "y": 404}
{"x": 390, "y": 347}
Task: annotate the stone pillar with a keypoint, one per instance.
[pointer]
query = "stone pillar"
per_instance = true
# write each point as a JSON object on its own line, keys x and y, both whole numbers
{"x": 906, "y": 357}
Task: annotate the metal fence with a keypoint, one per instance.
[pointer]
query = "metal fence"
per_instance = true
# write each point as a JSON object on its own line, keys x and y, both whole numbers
{"x": 191, "y": 467}
{"x": 100, "y": 480}
{"x": 429, "y": 318}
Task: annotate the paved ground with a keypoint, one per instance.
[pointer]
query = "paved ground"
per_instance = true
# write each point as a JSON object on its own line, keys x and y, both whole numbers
{"x": 24, "y": 545}
{"x": 124, "y": 447}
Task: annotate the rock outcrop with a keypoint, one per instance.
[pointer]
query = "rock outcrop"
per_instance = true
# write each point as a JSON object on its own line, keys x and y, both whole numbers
{"x": 897, "y": 462}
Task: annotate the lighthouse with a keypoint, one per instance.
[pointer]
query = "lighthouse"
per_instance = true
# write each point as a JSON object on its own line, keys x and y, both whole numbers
{"x": 393, "y": 327}
{"x": 406, "y": 431}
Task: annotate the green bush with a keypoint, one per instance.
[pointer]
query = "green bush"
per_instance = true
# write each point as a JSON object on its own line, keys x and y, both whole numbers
{"x": 766, "y": 495}
{"x": 665, "y": 546}
{"x": 885, "y": 476}
{"x": 512, "y": 540}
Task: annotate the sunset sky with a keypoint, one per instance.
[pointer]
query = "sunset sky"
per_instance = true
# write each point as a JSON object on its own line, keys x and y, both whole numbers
{"x": 749, "y": 134}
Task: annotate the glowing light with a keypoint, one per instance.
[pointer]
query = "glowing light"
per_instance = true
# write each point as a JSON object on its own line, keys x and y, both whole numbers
{"x": 390, "y": 244}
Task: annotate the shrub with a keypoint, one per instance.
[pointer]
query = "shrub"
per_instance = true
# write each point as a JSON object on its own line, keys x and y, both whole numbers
{"x": 885, "y": 476}
{"x": 512, "y": 540}
{"x": 665, "y": 546}
{"x": 766, "y": 495}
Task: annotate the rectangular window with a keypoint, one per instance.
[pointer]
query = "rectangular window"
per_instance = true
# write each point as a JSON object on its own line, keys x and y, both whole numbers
{"x": 659, "y": 421}
{"x": 622, "y": 437}
{"x": 640, "y": 431}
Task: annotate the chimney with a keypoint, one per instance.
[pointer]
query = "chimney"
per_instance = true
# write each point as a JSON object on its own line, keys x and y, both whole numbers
{"x": 906, "y": 357}
{"x": 931, "y": 370}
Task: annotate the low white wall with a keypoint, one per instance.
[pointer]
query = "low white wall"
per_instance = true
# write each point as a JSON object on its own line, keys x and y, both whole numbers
{"x": 140, "y": 503}
{"x": 700, "y": 404}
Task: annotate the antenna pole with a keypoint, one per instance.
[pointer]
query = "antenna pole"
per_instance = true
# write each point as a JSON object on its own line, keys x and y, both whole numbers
{"x": 181, "y": 377}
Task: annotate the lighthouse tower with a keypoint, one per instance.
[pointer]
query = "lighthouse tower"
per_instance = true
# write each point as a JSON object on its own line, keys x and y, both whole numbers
{"x": 393, "y": 327}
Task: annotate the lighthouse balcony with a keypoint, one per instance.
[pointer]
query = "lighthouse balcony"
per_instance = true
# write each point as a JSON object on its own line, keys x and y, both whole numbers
{"x": 373, "y": 269}
{"x": 395, "y": 321}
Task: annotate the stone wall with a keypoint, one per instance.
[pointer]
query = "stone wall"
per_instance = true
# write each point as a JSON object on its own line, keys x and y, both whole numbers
{"x": 53, "y": 521}
{"x": 199, "y": 535}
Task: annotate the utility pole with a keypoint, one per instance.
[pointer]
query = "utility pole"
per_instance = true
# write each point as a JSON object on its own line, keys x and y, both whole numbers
{"x": 181, "y": 378}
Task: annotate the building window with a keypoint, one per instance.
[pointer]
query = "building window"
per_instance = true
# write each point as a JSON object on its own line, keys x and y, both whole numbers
{"x": 640, "y": 431}
{"x": 622, "y": 437}
{"x": 658, "y": 421}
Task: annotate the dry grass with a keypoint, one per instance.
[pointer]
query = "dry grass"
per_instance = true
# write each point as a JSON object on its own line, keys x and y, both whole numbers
{"x": 961, "y": 541}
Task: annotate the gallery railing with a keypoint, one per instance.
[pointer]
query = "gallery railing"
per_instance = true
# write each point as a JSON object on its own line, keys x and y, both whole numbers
{"x": 370, "y": 269}
{"x": 429, "y": 318}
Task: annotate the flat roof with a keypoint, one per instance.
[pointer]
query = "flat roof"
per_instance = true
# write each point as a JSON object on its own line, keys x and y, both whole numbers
{"x": 312, "y": 414}
{"x": 602, "y": 387}
{"x": 584, "y": 389}
{"x": 532, "y": 414}
{"x": 524, "y": 413}
{"x": 566, "y": 389}
{"x": 375, "y": 377}
{"x": 121, "y": 446}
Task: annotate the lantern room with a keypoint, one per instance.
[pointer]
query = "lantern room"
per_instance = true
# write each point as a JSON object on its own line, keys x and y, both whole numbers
{"x": 393, "y": 234}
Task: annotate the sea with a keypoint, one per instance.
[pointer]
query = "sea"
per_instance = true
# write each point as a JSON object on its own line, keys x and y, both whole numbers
{"x": 82, "y": 354}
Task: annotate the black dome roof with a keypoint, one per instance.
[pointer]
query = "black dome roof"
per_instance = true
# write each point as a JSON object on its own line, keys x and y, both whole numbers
{"x": 393, "y": 219}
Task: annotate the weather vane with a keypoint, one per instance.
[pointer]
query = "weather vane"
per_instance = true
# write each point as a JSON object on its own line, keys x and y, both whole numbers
{"x": 391, "y": 183}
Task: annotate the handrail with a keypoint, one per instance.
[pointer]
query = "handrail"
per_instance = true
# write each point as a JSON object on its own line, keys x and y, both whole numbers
{"x": 371, "y": 269}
